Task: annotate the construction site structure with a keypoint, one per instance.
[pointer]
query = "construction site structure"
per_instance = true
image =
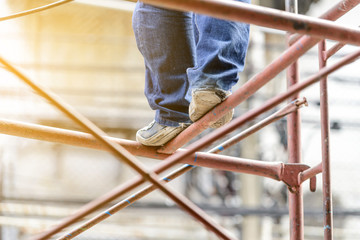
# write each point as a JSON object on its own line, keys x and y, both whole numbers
{"x": 304, "y": 33}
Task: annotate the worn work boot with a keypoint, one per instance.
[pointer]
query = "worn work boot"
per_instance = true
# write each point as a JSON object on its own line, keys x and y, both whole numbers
{"x": 203, "y": 100}
{"x": 156, "y": 134}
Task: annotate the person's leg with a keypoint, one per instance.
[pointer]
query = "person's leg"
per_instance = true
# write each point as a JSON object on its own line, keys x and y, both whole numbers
{"x": 221, "y": 48}
{"x": 165, "y": 39}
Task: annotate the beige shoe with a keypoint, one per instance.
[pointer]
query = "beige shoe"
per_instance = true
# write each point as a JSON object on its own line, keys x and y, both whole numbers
{"x": 203, "y": 100}
{"x": 156, "y": 134}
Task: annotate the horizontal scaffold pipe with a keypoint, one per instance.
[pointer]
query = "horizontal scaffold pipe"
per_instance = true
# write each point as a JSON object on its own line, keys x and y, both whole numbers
{"x": 266, "y": 17}
{"x": 51, "y": 134}
{"x": 333, "y": 14}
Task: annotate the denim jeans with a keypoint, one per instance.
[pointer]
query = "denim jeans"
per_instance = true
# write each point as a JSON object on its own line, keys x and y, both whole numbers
{"x": 184, "y": 51}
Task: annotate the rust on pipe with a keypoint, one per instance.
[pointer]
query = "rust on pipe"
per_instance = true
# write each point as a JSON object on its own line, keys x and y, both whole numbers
{"x": 266, "y": 17}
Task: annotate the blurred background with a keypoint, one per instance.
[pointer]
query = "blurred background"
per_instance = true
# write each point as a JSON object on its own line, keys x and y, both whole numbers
{"x": 86, "y": 53}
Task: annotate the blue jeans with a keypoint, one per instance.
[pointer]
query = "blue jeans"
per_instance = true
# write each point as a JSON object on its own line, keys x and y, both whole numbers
{"x": 184, "y": 51}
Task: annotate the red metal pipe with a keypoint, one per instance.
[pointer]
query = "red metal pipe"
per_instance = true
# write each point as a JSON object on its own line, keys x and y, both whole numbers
{"x": 334, "y": 13}
{"x": 80, "y": 139}
{"x": 309, "y": 173}
{"x": 296, "y": 206}
{"x": 266, "y": 17}
{"x": 256, "y": 82}
{"x": 226, "y": 163}
{"x": 329, "y": 53}
{"x": 325, "y": 147}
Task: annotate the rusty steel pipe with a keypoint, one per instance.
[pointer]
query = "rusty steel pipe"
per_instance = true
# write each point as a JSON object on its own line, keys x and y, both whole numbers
{"x": 334, "y": 49}
{"x": 325, "y": 148}
{"x": 81, "y": 139}
{"x": 295, "y": 201}
{"x": 266, "y": 17}
{"x": 122, "y": 154}
{"x": 256, "y": 82}
{"x": 74, "y": 138}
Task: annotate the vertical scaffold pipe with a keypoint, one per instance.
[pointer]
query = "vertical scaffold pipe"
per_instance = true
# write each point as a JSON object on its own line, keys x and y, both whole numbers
{"x": 296, "y": 209}
{"x": 325, "y": 148}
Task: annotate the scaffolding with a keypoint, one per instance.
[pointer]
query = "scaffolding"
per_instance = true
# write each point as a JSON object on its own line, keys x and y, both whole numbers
{"x": 306, "y": 32}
